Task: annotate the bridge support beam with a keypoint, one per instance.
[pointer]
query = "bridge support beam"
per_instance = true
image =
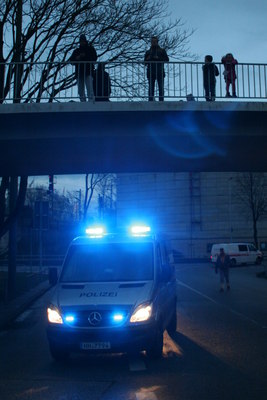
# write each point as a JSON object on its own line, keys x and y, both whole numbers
{"x": 68, "y": 138}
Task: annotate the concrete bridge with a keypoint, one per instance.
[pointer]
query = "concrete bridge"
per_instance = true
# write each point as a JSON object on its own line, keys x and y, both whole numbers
{"x": 74, "y": 137}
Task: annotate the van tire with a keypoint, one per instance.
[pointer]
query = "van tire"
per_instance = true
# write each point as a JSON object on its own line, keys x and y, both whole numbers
{"x": 155, "y": 350}
{"x": 58, "y": 354}
{"x": 233, "y": 262}
{"x": 258, "y": 261}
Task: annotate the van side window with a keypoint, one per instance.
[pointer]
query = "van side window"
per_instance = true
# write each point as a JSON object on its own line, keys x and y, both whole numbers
{"x": 158, "y": 255}
{"x": 243, "y": 247}
{"x": 167, "y": 270}
{"x": 163, "y": 254}
{"x": 252, "y": 247}
{"x": 158, "y": 260}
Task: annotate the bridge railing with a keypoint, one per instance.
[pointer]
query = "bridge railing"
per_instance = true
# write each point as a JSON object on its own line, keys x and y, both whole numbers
{"x": 56, "y": 82}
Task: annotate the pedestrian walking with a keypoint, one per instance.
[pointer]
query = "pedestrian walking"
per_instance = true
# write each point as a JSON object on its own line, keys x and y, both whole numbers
{"x": 154, "y": 60}
{"x": 84, "y": 70}
{"x": 102, "y": 84}
{"x": 210, "y": 71}
{"x": 223, "y": 264}
{"x": 229, "y": 73}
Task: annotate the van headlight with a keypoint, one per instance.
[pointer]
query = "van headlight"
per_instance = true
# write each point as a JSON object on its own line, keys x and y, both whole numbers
{"x": 53, "y": 315}
{"x": 141, "y": 313}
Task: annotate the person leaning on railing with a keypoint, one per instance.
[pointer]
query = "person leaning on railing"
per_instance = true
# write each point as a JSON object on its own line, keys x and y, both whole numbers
{"x": 84, "y": 71}
{"x": 102, "y": 84}
{"x": 154, "y": 60}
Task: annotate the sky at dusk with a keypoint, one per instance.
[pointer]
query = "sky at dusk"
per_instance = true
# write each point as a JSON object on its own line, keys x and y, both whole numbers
{"x": 225, "y": 26}
{"x": 62, "y": 183}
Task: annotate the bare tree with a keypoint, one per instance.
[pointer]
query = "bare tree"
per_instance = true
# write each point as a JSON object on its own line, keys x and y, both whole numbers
{"x": 11, "y": 204}
{"x": 92, "y": 181}
{"x": 251, "y": 191}
{"x": 119, "y": 29}
{"x": 107, "y": 196}
{"x": 101, "y": 184}
{"x": 107, "y": 189}
{"x": 61, "y": 206}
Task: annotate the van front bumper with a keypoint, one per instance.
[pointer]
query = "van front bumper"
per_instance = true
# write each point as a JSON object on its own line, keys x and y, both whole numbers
{"x": 122, "y": 339}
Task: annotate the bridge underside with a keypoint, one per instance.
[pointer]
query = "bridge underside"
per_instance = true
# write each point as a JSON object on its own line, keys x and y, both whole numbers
{"x": 69, "y": 138}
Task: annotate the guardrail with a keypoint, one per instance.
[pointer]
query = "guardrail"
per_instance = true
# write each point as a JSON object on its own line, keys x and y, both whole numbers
{"x": 56, "y": 82}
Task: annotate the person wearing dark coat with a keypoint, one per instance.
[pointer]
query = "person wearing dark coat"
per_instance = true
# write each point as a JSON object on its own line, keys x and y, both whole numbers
{"x": 154, "y": 60}
{"x": 223, "y": 264}
{"x": 210, "y": 71}
{"x": 84, "y": 71}
{"x": 102, "y": 84}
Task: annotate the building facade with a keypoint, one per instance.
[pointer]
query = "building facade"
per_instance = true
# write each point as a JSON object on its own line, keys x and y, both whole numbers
{"x": 195, "y": 209}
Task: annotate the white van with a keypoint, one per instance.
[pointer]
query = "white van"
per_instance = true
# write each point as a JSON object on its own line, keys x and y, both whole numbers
{"x": 240, "y": 253}
{"x": 115, "y": 293}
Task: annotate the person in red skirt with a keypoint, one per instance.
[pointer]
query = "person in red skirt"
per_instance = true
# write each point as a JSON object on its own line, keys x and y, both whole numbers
{"x": 229, "y": 73}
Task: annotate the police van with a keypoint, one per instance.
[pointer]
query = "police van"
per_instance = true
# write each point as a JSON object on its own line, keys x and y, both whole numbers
{"x": 239, "y": 253}
{"x": 115, "y": 293}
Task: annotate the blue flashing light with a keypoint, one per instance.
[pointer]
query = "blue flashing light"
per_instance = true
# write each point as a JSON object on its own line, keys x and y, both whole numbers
{"x": 95, "y": 231}
{"x": 69, "y": 318}
{"x": 117, "y": 317}
{"x": 140, "y": 230}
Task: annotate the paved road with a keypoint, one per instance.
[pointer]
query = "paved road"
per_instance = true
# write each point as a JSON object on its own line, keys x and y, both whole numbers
{"x": 231, "y": 326}
{"x": 218, "y": 352}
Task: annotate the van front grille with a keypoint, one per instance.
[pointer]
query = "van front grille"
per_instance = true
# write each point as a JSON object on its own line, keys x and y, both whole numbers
{"x": 97, "y": 318}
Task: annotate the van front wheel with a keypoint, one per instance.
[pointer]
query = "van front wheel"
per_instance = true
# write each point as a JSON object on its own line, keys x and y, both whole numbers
{"x": 155, "y": 350}
{"x": 171, "y": 328}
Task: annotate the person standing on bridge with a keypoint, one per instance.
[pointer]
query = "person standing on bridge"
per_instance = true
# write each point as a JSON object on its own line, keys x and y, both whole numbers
{"x": 84, "y": 71}
{"x": 210, "y": 71}
{"x": 154, "y": 60}
{"x": 223, "y": 264}
{"x": 229, "y": 73}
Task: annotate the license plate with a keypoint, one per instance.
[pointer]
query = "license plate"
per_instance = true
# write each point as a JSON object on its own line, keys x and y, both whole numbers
{"x": 95, "y": 345}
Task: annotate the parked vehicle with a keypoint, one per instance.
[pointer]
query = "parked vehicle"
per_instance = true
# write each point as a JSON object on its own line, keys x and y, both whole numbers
{"x": 115, "y": 293}
{"x": 240, "y": 253}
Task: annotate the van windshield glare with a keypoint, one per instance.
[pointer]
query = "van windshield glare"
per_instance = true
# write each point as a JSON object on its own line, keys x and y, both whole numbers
{"x": 109, "y": 262}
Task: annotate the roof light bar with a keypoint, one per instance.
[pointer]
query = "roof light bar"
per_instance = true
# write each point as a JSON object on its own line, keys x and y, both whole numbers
{"x": 140, "y": 230}
{"x": 97, "y": 231}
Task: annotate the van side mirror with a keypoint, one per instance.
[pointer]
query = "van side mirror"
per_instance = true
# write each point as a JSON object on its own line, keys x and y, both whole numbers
{"x": 53, "y": 276}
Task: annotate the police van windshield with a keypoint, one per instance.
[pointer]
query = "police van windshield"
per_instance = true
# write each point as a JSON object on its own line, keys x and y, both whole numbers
{"x": 109, "y": 262}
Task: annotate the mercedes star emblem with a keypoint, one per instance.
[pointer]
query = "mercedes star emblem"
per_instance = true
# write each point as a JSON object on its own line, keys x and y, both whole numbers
{"x": 94, "y": 318}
